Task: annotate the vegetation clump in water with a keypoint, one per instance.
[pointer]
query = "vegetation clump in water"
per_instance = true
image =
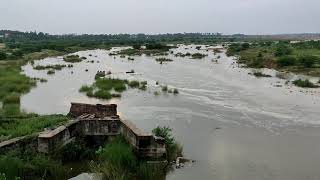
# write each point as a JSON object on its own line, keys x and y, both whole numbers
{"x": 161, "y": 60}
{"x": 198, "y": 56}
{"x": 102, "y": 88}
{"x": 72, "y": 58}
{"x": 260, "y": 74}
{"x": 55, "y": 67}
{"x": 50, "y": 72}
{"x": 304, "y": 83}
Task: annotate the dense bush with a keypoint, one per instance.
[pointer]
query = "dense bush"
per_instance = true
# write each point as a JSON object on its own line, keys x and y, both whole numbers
{"x": 308, "y": 60}
{"x": 283, "y": 50}
{"x": 173, "y": 148}
{"x": 286, "y": 61}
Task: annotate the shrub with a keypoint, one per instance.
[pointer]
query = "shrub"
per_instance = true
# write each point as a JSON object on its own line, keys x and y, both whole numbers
{"x": 51, "y": 72}
{"x": 173, "y": 148}
{"x": 134, "y": 84}
{"x": 164, "y": 88}
{"x": 117, "y": 159}
{"x": 286, "y": 61}
{"x": 283, "y": 50}
{"x": 198, "y": 56}
{"x": 175, "y": 91}
{"x": 308, "y": 60}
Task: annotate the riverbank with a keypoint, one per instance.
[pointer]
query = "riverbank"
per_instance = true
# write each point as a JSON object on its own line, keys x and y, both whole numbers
{"x": 222, "y": 115}
{"x": 296, "y": 57}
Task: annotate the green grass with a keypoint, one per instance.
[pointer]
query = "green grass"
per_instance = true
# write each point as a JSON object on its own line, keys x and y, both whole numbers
{"x": 85, "y": 88}
{"x": 20, "y": 127}
{"x": 12, "y": 98}
{"x": 30, "y": 165}
{"x": 12, "y": 82}
{"x": 101, "y": 88}
{"x": 102, "y": 94}
{"x": 119, "y": 87}
{"x": 117, "y": 160}
{"x": 303, "y": 58}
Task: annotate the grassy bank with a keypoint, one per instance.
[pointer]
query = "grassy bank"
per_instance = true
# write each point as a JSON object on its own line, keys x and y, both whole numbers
{"x": 28, "y": 124}
{"x": 13, "y": 84}
{"x": 301, "y": 57}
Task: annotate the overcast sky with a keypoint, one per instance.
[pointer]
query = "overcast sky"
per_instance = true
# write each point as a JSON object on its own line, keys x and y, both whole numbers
{"x": 161, "y": 16}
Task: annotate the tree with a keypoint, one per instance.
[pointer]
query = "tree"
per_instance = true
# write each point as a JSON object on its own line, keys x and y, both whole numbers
{"x": 136, "y": 46}
{"x": 245, "y": 46}
{"x": 3, "y": 55}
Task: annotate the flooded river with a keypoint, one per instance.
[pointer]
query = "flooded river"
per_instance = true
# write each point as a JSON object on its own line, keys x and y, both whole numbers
{"x": 236, "y": 126}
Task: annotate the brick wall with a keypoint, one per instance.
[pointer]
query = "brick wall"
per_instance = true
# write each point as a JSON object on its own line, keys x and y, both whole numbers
{"x": 99, "y": 110}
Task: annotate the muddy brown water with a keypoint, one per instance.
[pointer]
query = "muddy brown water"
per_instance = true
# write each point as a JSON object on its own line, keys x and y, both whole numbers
{"x": 235, "y": 126}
